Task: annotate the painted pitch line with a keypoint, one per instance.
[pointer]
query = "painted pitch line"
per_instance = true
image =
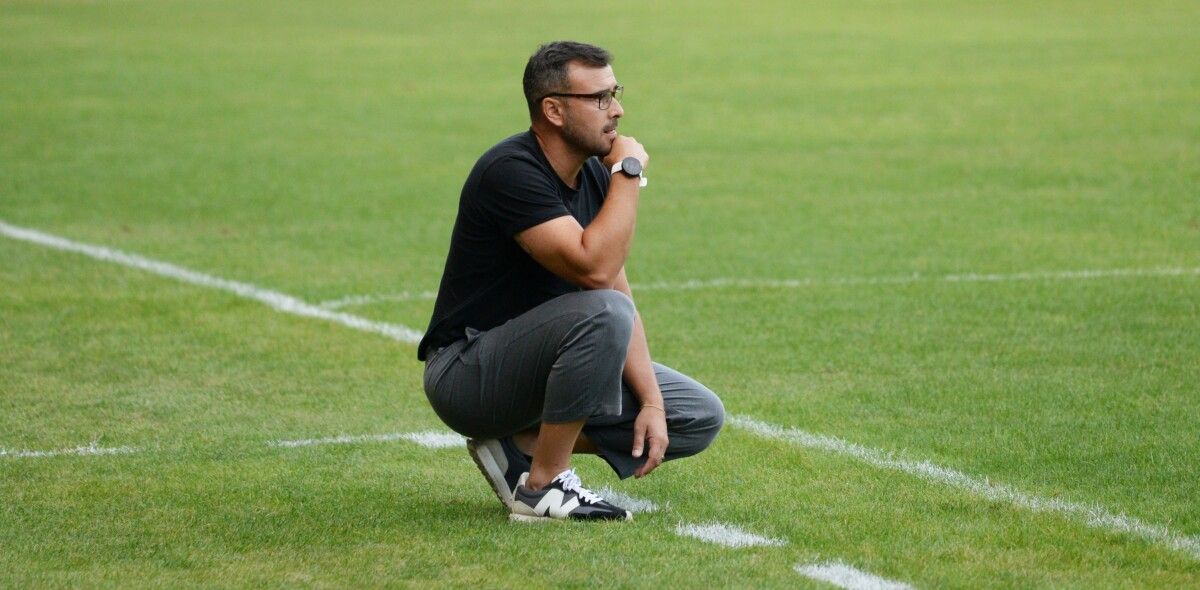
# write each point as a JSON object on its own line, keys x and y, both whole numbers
{"x": 919, "y": 278}
{"x": 432, "y": 439}
{"x": 89, "y": 450}
{"x": 628, "y": 502}
{"x": 727, "y": 535}
{"x": 848, "y": 577}
{"x": 1092, "y": 515}
{"x": 276, "y": 300}
{"x": 357, "y": 300}
{"x": 273, "y": 299}
{"x": 437, "y": 439}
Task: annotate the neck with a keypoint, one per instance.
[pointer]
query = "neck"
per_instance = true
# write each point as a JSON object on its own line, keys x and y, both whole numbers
{"x": 565, "y": 161}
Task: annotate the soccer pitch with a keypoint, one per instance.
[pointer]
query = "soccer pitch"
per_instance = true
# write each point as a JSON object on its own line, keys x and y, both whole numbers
{"x": 941, "y": 260}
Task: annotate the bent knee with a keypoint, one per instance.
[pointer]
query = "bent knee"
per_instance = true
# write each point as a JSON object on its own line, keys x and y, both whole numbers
{"x": 612, "y": 309}
{"x": 702, "y": 425}
{"x": 618, "y": 304}
{"x": 712, "y": 417}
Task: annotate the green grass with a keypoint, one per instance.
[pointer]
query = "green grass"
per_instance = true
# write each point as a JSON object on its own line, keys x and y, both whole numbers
{"x": 318, "y": 149}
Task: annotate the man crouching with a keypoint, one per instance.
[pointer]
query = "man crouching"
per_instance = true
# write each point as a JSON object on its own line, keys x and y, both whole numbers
{"x": 535, "y": 350}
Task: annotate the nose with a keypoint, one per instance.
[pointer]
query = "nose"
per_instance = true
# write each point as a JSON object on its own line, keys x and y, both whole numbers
{"x": 615, "y": 110}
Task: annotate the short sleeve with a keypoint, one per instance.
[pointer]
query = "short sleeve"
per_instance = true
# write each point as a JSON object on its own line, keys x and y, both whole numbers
{"x": 516, "y": 195}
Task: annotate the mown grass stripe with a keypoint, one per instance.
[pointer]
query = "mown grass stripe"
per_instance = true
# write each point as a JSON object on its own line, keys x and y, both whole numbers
{"x": 273, "y": 299}
{"x": 1090, "y": 514}
{"x": 848, "y": 577}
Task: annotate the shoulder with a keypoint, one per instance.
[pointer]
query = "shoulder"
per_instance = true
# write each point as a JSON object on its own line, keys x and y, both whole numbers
{"x": 513, "y": 159}
{"x": 510, "y": 178}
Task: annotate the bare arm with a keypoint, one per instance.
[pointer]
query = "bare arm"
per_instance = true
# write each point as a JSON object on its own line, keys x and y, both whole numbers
{"x": 639, "y": 372}
{"x": 651, "y": 424}
{"x": 593, "y": 257}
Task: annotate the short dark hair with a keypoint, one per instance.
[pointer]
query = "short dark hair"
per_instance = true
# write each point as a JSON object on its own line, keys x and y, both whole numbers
{"x": 546, "y": 71}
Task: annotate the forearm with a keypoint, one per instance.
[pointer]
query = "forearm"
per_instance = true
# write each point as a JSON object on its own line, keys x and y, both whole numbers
{"x": 605, "y": 243}
{"x": 592, "y": 257}
{"x": 650, "y": 427}
{"x": 639, "y": 370}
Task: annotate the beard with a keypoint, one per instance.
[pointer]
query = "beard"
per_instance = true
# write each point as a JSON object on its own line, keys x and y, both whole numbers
{"x": 584, "y": 140}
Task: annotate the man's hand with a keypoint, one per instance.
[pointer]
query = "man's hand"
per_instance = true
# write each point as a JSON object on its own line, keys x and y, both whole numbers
{"x": 624, "y": 147}
{"x": 650, "y": 427}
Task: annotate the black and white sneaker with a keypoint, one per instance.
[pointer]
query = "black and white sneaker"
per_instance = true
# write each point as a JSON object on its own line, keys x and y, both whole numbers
{"x": 563, "y": 498}
{"x": 502, "y": 463}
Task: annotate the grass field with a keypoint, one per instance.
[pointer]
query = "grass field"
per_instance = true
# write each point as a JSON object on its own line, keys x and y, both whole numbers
{"x": 989, "y": 215}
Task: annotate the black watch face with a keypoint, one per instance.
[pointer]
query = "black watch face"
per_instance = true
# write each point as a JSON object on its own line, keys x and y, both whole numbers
{"x": 631, "y": 166}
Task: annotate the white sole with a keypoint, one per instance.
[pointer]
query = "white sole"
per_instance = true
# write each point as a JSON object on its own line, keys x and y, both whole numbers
{"x": 488, "y": 465}
{"x": 529, "y": 518}
{"x": 526, "y": 518}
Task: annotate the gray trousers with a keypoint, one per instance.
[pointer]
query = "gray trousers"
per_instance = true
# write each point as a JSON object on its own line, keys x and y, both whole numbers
{"x": 561, "y": 362}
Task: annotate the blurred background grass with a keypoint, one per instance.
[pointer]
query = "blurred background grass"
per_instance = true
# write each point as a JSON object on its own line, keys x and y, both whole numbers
{"x": 319, "y": 149}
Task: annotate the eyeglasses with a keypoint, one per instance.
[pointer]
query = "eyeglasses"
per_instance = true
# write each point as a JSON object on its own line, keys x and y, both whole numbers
{"x": 603, "y": 98}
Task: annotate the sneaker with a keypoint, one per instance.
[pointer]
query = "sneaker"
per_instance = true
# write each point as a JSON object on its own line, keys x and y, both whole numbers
{"x": 565, "y": 497}
{"x": 502, "y": 463}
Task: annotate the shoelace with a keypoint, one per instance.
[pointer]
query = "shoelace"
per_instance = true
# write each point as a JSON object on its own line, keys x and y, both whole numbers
{"x": 572, "y": 483}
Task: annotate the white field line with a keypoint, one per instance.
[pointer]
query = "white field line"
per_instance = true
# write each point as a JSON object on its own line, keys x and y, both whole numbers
{"x": 276, "y": 300}
{"x": 1064, "y": 275}
{"x": 1090, "y": 514}
{"x": 432, "y": 439}
{"x": 273, "y": 299}
{"x": 850, "y": 578}
{"x": 1093, "y": 515}
{"x": 628, "y": 502}
{"x": 438, "y": 439}
{"x": 356, "y": 300}
{"x": 919, "y": 278}
{"x": 89, "y": 450}
{"x": 727, "y": 535}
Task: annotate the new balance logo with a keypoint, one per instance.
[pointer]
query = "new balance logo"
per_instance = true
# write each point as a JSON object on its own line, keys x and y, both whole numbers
{"x": 564, "y": 498}
{"x": 552, "y": 504}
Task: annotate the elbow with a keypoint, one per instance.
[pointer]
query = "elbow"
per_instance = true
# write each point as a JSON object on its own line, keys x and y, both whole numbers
{"x": 597, "y": 280}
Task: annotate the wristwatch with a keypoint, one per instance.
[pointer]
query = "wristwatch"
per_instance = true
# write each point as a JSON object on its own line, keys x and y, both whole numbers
{"x": 631, "y": 167}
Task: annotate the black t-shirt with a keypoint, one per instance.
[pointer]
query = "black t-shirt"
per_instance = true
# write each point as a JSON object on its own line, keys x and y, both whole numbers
{"x": 488, "y": 278}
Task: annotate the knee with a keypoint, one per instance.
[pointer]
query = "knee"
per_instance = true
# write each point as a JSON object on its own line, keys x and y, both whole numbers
{"x": 706, "y": 418}
{"x": 614, "y": 312}
{"x": 711, "y": 418}
{"x": 618, "y": 304}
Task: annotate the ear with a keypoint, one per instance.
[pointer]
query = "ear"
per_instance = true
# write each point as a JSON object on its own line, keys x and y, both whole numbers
{"x": 552, "y": 110}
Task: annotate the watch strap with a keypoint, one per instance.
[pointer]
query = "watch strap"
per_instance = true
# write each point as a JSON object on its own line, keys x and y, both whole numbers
{"x": 642, "y": 180}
